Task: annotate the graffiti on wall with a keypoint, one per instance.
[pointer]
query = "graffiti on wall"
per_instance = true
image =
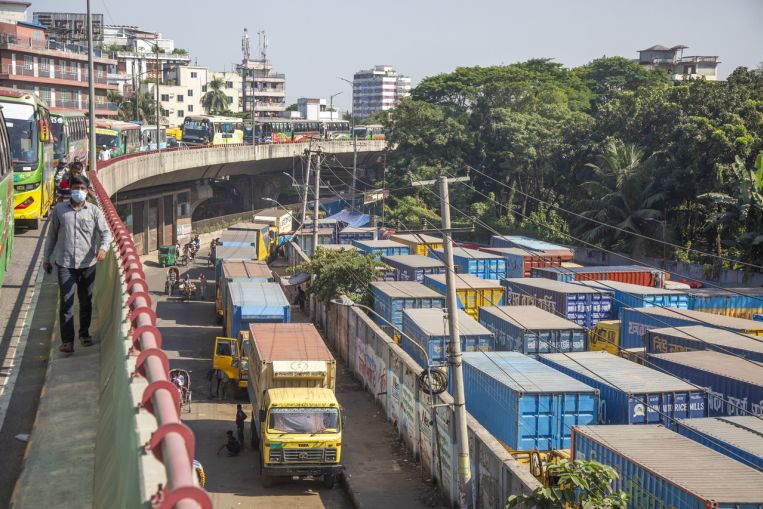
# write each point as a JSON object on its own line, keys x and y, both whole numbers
{"x": 408, "y": 413}
{"x": 371, "y": 368}
{"x": 393, "y": 390}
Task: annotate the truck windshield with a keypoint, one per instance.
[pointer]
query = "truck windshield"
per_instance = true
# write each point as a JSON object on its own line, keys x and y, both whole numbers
{"x": 20, "y": 120}
{"x": 304, "y": 420}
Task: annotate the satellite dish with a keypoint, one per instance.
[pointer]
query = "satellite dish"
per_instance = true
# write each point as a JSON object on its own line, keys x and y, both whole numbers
{"x": 297, "y": 279}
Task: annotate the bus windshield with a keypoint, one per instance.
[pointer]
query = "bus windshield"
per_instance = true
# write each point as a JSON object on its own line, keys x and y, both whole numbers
{"x": 22, "y": 133}
{"x": 226, "y": 127}
{"x": 196, "y": 129}
{"x": 59, "y": 144}
{"x": 106, "y": 138}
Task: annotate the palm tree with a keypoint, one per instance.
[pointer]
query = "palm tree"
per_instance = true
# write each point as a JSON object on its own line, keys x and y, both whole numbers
{"x": 215, "y": 100}
{"x": 622, "y": 195}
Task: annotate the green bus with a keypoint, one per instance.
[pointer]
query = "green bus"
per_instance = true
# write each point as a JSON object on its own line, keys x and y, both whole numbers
{"x": 70, "y": 139}
{"x": 6, "y": 199}
{"x": 119, "y": 138}
{"x": 27, "y": 120}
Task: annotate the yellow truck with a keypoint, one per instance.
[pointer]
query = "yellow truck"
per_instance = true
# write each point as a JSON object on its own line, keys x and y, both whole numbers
{"x": 605, "y": 336}
{"x": 296, "y": 420}
{"x": 232, "y": 358}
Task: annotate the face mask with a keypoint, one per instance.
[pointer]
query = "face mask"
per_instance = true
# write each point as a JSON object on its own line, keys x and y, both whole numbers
{"x": 79, "y": 196}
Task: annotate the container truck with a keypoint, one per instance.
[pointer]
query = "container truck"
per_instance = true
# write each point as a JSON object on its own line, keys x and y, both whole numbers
{"x": 418, "y": 243}
{"x": 380, "y": 248}
{"x": 231, "y": 357}
{"x": 482, "y": 264}
{"x": 634, "y": 323}
{"x": 264, "y": 241}
{"x": 532, "y": 244}
{"x": 254, "y": 303}
{"x": 523, "y": 403}
{"x": 633, "y": 274}
{"x": 232, "y": 253}
{"x": 520, "y": 262}
{"x": 631, "y": 393}
{"x": 472, "y": 292}
{"x": 627, "y": 295}
{"x": 392, "y": 297}
{"x": 531, "y": 330}
{"x": 413, "y": 267}
{"x": 239, "y": 238}
{"x": 738, "y": 437}
{"x": 582, "y": 305}
{"x": 659, "y": 468}
{"x": 738, "y": 302}
{"x": 698, "y": 337}
{"x": 430, "y": 330}
{"x": 250, "y": 271}
{"x": 296, "y": 420}
{"x": 735, "y": 385}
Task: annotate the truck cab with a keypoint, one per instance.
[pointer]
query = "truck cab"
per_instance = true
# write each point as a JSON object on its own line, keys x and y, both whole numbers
{"x": 299, "y": 432}
{"x": 605, "y": 336}
{"x": 231, "y": 357}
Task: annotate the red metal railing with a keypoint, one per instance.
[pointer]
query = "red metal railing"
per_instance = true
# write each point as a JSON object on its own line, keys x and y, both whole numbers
{"x": 173, "y": 442}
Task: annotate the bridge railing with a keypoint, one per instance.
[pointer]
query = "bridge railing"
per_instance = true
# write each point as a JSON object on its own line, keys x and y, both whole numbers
{"x": 145, "y": 365}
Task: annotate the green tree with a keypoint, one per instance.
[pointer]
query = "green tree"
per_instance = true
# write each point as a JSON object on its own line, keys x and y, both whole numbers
{"x": 578, "y": 484}
{"x": 408, "y": 212}
{"x": 608, "y": 77}
{"x": 341, "y": 272}
{"x": 292, "y": 107}
{"x": 214, "y": 101}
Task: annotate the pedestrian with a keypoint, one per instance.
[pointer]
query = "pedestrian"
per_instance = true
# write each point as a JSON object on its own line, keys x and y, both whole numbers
{"x": 240, "y": 418}
{"x": 202, "y": 286}
{"x": 78, "y": 239}
{"x": 301, "y": 298}
{"x": 233, "y": 445}
{"x": 105, "y": 154}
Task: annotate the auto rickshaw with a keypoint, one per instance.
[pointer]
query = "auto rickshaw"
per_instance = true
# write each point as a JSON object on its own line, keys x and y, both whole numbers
{"x": 167, "y": 256}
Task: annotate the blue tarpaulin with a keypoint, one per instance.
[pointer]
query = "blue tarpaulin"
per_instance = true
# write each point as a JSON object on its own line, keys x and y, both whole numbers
{"x": 353, "y": 219}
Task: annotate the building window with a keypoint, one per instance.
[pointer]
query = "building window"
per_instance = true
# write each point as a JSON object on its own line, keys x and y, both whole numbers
{"x": 190, "y": 93}
{"x": 228, "y": 84}
{"x": 190, "y": 108}
{"x": 44, "y": 64}
{"x": 28, "y": 62}
{"x": 230, "y": 99}
{"x": 181, "y": 114}
{"x": 194, "y": 74}
{"x": 203, "y": 88}
{"x": 180, "y": 98}
{"x": 165, "y": 97}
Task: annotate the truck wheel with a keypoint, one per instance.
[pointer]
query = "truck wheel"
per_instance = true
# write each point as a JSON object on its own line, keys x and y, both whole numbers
{"x": 328, "y": 481}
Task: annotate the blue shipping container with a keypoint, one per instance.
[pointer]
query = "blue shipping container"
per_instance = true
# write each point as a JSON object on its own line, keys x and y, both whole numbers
{"x": 627, "y": 295}
{"x": 659, "y": 468}
{"x": 528, "y": 243}
{"x": 413, "y": 267}
{"x": 381, "y": 248}
{"x": 735, "y": 385}
{"x": 739, "y": 302}
{"x": 477, "y": 263}
{"x": 697, "y": 337}
{"x": 525, "y": 404}
{"x": 739, "y": 437}
{"x": 634, "y": 323}
{"x": 631, "y": 393}
{"x": 254, "y": 303}
{"x": 531, "y": 330}
{"x": 584, "y": 306}
{"x": 349, "y": 234}
{"x": 430, "y": 330}
{"x": 391, "y": 297}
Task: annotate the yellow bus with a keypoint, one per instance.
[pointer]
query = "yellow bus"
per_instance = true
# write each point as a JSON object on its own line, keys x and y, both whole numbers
{"x": 212, "y": 130}
{"x": 27, "y": 120}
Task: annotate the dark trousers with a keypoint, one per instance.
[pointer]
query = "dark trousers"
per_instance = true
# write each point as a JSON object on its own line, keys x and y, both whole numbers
{"x": 83, "y": 280}
{"x": 240, "y": 434}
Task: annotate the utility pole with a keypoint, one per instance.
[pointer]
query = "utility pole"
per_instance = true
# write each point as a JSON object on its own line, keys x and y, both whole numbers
{"x": 317, "y": 207}
{"x": 158, "y": 104}
{"x": 354, "y": 139}
{"x": 91, "y": 88}
{"x": 307, "y": 188}
{"x": 454, "y": 356}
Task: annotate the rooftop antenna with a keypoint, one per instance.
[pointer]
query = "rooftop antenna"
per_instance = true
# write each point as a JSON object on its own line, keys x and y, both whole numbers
{"x": 245, "y": 48}
{"x": 263, "y": 44}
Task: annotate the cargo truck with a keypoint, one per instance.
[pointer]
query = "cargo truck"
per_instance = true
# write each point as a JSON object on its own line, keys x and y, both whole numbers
{"x": 253, "y": 272}
{"x": 253, "y": 303}
{"x": 231, "y": 357}
{"x": 296, "y": 420}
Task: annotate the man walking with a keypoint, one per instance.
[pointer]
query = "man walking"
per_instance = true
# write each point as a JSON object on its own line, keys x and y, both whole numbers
{"x": 78, "y": 238}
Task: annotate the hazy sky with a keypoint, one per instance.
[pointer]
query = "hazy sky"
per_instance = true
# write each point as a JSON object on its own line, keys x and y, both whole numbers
{"x": 314, "y": 42}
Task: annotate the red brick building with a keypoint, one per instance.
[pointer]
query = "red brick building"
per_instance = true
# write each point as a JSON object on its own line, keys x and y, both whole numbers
{"x": 57, "y": 72}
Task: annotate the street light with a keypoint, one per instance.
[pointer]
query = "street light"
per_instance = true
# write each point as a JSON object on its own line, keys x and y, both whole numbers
{"x": 331, "y": 104}
{"x": 354, "y": 140}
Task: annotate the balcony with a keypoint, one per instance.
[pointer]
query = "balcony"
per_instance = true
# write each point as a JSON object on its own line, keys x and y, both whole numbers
{"x": 30, "y": 43}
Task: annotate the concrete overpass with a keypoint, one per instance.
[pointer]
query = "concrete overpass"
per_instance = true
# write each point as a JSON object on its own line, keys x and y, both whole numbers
{"x": 162, "y": 189}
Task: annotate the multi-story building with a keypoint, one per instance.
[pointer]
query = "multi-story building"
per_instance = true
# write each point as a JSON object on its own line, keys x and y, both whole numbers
{"x": 135, "y": 52}
{"x": 57, "y": 72}
{"x": 264, "y": 91}
{"x": 233, "y": 88}
{"x": 316, "y": 109}
{"x": 378, "y": 89}
{"x": 680, "y": 67}
{"x": 180, "y": 92}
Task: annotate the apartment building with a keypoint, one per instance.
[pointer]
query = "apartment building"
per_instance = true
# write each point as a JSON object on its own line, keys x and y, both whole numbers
{"x": 378, "y": 89}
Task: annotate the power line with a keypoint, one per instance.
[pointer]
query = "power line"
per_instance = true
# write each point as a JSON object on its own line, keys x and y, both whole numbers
{"x": 600, "y": 223}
